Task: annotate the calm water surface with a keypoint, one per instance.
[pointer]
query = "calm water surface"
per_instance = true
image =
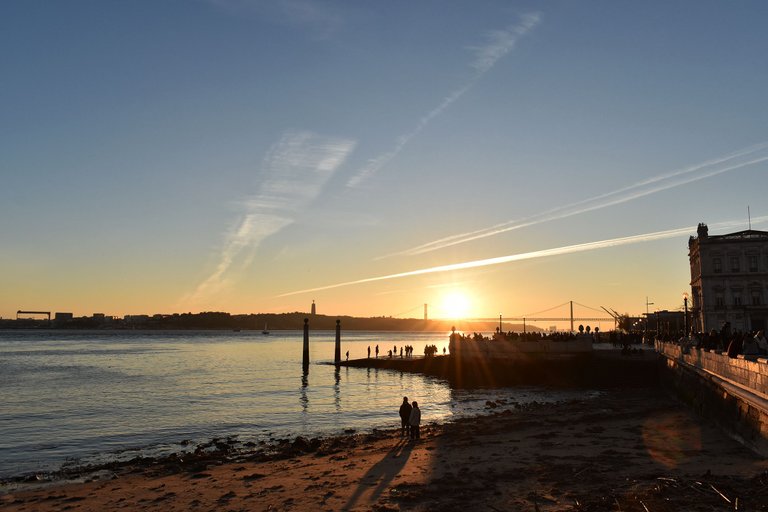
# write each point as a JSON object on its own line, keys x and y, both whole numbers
{"x": 69, "y": 396}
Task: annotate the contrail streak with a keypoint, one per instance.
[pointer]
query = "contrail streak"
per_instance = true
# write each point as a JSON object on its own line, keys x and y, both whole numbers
{"x": 501, "y": 43}
{"x": 622, "y": 195}
{"x": 557, "y": 251}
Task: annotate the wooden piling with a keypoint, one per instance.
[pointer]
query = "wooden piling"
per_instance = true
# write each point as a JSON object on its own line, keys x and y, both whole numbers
{"x": 305, "y": 358}
{"x": 337, "y": 351}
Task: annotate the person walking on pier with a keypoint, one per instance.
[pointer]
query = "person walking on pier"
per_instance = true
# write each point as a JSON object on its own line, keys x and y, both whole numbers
{"x": 762, "y": 343}
{"x": 415, "y": 420}
{"x": 369, "y": 351}
{"x": 405, "y": 417}
{"x": 735, "y": 346}
{"x": 377, "y": 351}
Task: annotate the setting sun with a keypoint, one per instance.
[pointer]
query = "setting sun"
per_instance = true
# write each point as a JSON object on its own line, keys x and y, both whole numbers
{"x": 455, "y": 305}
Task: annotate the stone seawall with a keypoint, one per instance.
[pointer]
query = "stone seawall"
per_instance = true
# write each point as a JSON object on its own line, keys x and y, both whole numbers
{"x": 522, "y": 350}
{"x": 605, "y": 368}
{"x": 730, "y": 391}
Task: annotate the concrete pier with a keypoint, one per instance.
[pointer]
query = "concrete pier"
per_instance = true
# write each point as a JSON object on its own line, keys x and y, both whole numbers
{"x": 593, "y": 369}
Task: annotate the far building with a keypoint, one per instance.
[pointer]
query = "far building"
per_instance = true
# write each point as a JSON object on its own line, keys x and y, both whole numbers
{"x": 136, "y": 319}
{"x": 666, "y": 323}
{"x": 729, "y": 280}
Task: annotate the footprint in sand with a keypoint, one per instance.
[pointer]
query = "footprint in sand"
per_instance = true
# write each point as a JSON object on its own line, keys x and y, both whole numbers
{"x": 253, "y": 476}
{"x": 226, "y": 497}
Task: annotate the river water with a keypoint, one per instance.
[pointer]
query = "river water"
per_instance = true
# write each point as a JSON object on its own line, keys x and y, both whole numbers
{"x": 74, "y": 397}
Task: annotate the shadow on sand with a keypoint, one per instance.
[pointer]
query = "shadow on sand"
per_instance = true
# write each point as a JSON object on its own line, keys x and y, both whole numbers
{"x": 381, "y": 474}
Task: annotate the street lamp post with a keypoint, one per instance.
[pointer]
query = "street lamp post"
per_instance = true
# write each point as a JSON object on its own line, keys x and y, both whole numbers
{"x": 685, "y": 319}
{"x": 647, "y": 314}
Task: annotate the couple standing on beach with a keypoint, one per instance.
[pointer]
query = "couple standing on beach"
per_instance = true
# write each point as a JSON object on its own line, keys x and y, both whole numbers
{"x": 410, "y": 418}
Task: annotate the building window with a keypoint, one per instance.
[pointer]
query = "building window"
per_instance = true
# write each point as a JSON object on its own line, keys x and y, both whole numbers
{"x": 753, "y": 262}
{"x": 756, "y": 298}
{"x": 717, "y": 265}
{"x": 737, "y": 300}
{"x": 719, "y": 301}
{"x": 734, "y": 263}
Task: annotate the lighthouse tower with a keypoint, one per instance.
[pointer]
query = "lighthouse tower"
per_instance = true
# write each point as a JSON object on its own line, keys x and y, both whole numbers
{"x": 313, "y": 308}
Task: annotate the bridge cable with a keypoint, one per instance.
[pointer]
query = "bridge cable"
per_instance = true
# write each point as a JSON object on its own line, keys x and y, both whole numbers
{"x": 589, "y": 307}
{"x": 406, "y": 312}
{"x": 545, "y": 310}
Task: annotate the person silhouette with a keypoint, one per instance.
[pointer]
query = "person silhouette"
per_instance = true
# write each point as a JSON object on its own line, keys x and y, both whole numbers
{"x": 415, "y": 420}
{"x": 347, "y": 355}
{"x": 405, "y": 417}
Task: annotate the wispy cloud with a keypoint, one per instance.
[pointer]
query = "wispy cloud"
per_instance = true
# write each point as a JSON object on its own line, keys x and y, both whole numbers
{"x": 739, "y": 159}
{"x": 498, "y": 44}
{"x": 319, "y": 17}
{"x": 294, "y": 172}
{"x": 557, "y": 251}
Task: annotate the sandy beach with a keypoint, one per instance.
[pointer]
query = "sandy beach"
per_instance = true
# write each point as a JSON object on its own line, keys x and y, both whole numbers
{"x": 624, "y": 450}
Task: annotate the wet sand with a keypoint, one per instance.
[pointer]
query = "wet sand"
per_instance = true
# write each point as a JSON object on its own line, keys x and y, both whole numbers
{"x": 627, "y": 450}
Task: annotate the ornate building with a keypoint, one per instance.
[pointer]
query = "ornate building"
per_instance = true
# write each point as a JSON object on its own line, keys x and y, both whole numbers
{"x": 729, "y": 279}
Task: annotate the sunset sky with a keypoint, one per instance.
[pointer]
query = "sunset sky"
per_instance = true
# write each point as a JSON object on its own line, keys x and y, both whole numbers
{"x": 252, "y": 156}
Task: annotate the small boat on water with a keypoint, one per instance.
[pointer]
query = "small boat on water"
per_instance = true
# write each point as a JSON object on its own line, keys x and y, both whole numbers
{"x": 265, "y": 331}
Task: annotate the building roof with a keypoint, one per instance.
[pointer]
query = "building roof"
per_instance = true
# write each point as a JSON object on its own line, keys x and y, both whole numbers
{"x": 748, "y": 234}
{"x": 741, "y": 235}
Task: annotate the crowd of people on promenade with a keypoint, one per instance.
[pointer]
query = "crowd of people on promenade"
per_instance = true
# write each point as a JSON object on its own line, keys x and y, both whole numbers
{"x": 733, "y": 342}
{"x": 520, "y": 336}
{"x": 405, "y": 351}
{"x": 535, "y": 336}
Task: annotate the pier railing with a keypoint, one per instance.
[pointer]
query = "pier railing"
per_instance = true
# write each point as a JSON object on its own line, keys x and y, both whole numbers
{"x": 749, "y": 373}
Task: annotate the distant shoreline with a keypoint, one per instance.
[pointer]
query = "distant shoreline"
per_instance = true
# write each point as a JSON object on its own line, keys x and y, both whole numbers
{"x": 272, "y": 332}
{"x": 272, "y": 322}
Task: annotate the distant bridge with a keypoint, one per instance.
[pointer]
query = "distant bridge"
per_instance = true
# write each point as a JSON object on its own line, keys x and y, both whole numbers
{"x": 534, "y": 317}
{"x": 549, "y": 319}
